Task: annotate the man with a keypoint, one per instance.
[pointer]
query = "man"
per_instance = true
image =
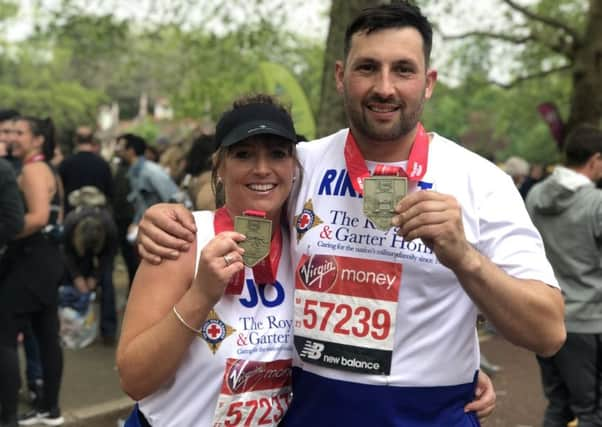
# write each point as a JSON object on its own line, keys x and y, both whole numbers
{"x": 6, "y": 137}
{"x": 11, "y": 223}
{"x": 385, "y": 317}
{"x": 11, "y": 205}
{"x": 149, "y": 183}
{"x": 85, "y": 167}
{"x": 567, "y": 209}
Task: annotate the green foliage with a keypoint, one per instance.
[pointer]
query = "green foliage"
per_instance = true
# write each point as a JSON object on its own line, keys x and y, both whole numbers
{"x": 495, "y": 122}
{"x": 8, "y": 9}
{"x": 67, "y": 103}
{"x": 482, "y": 115}
{"x": 147, "y": 129}
{"x": 199, "y": 71}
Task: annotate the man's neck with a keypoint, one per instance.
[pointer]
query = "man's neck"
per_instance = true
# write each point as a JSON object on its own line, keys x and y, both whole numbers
{"x": 89, "y": 148}
{"x": 385, "y": 151}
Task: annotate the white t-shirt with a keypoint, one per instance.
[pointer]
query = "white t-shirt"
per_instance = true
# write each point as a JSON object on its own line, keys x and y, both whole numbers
{"x": 373, "y": 309}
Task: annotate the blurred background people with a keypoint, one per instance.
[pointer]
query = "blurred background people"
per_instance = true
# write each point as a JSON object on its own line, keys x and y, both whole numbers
{"x": 29, "y": 284}
{"x": 517, "y": 168}
{"x": 566, "y": 208}
{"x": 85, "y": 168}
{"x": 197, "y": 173}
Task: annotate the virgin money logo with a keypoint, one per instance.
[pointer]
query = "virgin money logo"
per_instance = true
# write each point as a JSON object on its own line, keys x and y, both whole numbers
{"x": 246, "y": 375}
{"x": 318, "y": 272}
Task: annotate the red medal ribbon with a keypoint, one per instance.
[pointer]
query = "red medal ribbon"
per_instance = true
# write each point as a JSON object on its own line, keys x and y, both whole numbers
{"x": 417, "y": 161}
{"x": 265, "y": 271}
{"x": 35, "y": 158}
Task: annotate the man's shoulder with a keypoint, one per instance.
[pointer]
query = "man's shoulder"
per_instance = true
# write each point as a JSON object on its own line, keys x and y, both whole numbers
{"x": 319, "y": 146}
{"x": 5, "y": 168}
{"x": 461, "y": 158}
{"x": 83, "y": 158}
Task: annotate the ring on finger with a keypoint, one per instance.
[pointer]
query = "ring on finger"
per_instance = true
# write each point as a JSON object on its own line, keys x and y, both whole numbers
{"x": 227, "y": 259}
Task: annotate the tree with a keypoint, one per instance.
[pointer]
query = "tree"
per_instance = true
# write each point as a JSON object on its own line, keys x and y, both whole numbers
{"x": 331, "y": 114}
{"x": 554, "y": 37}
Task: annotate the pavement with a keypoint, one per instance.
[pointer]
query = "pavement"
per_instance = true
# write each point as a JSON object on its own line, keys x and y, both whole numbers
{"x": 91, "y": 396}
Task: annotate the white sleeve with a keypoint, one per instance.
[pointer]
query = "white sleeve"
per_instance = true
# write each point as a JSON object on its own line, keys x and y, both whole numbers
{"x": 507, "y": 235}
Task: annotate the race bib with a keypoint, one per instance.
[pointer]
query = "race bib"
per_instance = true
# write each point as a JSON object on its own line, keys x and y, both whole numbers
{"x": 254, "y": 393}
{"x": 345, "y": 312}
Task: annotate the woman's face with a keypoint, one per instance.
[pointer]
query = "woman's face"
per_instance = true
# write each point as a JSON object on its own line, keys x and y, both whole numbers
{"x": 257, "y": 174}
{"x": 24, "y": 142}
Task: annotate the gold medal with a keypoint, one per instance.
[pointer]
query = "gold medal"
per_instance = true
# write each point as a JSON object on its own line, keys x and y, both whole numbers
{"x": 381, "y": 194}
{"x": 259, "y": 236}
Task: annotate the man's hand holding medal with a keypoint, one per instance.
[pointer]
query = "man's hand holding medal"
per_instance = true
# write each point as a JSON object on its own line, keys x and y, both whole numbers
{"x": 436, "y": 219}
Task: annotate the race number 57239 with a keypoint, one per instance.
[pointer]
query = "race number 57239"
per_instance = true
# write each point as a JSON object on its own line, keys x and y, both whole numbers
{"x": 344, "y": 319}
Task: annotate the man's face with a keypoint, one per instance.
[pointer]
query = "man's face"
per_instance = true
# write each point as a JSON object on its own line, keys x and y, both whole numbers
{"x": 120, "y": 150}
{"x": 6, "y": 136}
{"x": 384, "y": 83}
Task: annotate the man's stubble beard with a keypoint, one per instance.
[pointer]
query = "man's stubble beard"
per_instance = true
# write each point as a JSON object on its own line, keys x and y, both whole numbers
{"x": 371, "y": 131}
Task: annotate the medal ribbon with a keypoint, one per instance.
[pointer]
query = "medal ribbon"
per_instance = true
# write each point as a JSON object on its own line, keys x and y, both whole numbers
{"x": 35, "y": 158}
{"x": 417, "y": 161}
{"x": 265, "y": 270}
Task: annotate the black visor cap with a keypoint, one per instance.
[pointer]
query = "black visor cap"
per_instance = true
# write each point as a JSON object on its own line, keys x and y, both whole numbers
{"x": 254, "y": 119}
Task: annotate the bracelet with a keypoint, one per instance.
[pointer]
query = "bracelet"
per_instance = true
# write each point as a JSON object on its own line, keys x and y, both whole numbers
{"x": 183, "y": 322}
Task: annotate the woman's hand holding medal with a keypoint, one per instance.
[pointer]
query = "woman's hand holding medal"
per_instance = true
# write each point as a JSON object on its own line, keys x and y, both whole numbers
{"x": 220, "y": 261}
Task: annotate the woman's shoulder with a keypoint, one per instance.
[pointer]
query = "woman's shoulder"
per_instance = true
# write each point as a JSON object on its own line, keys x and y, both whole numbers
{"x": 37, "y": 168}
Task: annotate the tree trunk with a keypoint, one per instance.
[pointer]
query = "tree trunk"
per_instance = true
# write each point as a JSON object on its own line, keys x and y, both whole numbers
{"x": 331, "y": 115}
{"x": 586, "y": 101}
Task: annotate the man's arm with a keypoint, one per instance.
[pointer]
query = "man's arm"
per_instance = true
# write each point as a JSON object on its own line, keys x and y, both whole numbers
{"x": 528, "y": 313}
{"x": 11, "y": 205}
{"x": 164, "y": 231}
{"x": 161, "y": 182}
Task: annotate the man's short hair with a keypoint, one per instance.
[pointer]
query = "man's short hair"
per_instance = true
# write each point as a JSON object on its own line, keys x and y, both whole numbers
{"x": 581, "y": 144}
{"x": 399, "y": 14}
{"x": 84, "y": 135}
{"x": 8, "y": 115}
{"x": 135, "y": 142}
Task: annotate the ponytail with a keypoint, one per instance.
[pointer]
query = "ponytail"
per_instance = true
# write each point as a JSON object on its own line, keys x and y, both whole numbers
{"x": 45, "y": 129}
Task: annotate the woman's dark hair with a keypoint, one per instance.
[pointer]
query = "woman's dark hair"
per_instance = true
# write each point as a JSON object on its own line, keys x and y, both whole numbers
{"x": 198, "y": 159}
{"x": 45, "y": 129}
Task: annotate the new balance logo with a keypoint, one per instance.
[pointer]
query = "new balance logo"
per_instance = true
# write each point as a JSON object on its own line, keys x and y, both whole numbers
{"x": 312, "y": 350}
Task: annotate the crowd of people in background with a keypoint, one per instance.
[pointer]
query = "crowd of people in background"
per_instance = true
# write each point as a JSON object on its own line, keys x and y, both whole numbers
{"x": 63, "y": 220}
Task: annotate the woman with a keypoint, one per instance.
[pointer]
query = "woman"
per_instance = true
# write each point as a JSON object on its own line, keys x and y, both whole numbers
{"x": 204, "y": 340}
{"x": 34, "y": 268}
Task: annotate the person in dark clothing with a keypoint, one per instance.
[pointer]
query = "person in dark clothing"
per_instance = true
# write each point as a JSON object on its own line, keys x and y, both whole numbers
{"x": 29, "y": 283}
{"x": 6, "y": 138}
{"x": 123, "y": 213}
{"x": 90, "y": 243}
{"x": 82, "y": 169}
{"x": 85, "y": 167}
{"x": 11, "y": 222}
{"x": 11, "y": 206}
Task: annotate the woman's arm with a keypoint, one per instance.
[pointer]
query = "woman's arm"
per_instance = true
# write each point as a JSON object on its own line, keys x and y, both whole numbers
{"x": 153, "y": 340}
{"x": 34, "y": 181}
